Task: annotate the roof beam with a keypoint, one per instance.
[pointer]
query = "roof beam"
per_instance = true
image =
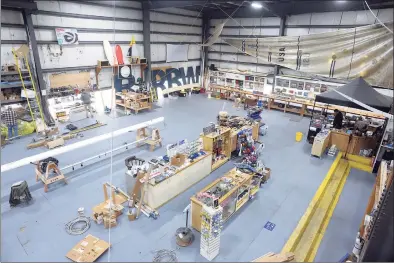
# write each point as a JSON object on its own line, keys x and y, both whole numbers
{"x": 157, "y": 4}
{"x": 18, "y": 4}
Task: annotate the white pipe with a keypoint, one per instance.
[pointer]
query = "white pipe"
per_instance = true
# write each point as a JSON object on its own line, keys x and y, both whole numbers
{"x": 101, "y": 154}
{"x": 67, "y": 148}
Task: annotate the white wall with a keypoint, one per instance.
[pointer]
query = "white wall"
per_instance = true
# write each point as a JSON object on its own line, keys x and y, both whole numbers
{"x": 187, "y": 30}
{"x": 11, "y": 34}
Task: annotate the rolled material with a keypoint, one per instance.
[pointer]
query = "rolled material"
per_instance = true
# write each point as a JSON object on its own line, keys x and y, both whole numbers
{"x": 67, "y": 148}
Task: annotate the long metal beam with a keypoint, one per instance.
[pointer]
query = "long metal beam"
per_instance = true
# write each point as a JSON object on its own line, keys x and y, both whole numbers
{"x": 17, "y": 4}
{"x": 37, "y": 65}
{"x": 77, "y": 145}
{"x": 146, "y": 33}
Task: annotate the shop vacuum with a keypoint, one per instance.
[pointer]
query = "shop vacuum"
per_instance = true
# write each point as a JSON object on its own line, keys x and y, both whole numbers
{"x": 184, "y": 235}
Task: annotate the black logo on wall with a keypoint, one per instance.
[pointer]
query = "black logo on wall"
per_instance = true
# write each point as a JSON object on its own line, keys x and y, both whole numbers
{"x": 175, "y": 76}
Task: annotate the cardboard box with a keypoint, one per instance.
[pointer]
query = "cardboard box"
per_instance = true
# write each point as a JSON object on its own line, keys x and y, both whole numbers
{"x": 267, "y": 174}
{"x": 178, "y": 160}
{"x": 110, "y": 222}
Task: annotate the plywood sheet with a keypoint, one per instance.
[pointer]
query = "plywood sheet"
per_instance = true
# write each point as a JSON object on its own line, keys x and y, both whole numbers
{"x": 88, "y": 249}
{"x": 70, "y": 79}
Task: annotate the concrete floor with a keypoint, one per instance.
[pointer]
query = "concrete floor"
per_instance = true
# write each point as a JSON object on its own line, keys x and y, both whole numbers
{"x": 36, "y": 232}
{"x": 345, "y": 222}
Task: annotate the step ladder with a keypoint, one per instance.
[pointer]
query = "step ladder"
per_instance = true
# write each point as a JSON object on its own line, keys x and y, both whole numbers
{"x": 32, "y": 98}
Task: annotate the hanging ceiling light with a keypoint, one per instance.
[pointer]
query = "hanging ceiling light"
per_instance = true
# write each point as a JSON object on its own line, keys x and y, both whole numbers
{"x": 256, "y": 5}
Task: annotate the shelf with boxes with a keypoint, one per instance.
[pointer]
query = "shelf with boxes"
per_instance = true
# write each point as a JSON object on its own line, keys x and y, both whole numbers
{"x": 133, "y": 101}
{"x": 11, "y": 87}
{"x": 217, "y": 141}
{"x": 301, "y": 87}
{"x": 239, "y": 80}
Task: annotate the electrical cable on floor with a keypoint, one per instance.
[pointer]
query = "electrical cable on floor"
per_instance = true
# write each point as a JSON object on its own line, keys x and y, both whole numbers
{"x": 165, "y": 255}
{"x": 78, "y": 226}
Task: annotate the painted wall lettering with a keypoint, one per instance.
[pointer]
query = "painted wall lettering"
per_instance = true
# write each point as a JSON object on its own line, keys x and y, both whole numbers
{"x": 158, "y": 83}
{"x": 173, "y": 76}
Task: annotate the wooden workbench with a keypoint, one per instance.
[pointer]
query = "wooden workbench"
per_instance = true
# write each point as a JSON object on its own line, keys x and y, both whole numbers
{"x": 209, "y": 141}
{"x": 303, "y": 107}
{"x": 357, "y": 143}
{"x": 160, "y": 193}
{"x": 134, "y": 101}
{"x": 242, "y": 180}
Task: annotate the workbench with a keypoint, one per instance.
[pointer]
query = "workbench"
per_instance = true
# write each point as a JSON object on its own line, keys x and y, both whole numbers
{"x": 158, "y": 194}
{"x": 133, "y": 101}
{"x": 343, "y": 143}
{"x": 302, "y": 107}
{"x": 244, "y": 186}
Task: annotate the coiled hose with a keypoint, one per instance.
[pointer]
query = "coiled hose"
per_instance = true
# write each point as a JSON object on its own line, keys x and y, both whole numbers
{"x": 165, "y": 255}
{"x": 78, "y": 226}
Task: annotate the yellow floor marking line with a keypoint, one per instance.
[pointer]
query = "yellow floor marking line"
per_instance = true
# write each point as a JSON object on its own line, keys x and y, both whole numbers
{"x": 306, "y": 237}
{"x": 359, "y": 159}
{"x": 309, "y": 232}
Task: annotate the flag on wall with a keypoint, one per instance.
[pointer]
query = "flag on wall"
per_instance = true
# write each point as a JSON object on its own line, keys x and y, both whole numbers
{"x": 66, "y": 36}
{"x": 365, "y": 51}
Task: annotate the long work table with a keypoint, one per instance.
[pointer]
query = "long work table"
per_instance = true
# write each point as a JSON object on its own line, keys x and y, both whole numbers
{"x": 296, "y": 105}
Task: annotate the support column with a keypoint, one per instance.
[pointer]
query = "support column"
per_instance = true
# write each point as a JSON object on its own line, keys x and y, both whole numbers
{"x": 281, "y": 34}
{"x": 146, "y": 33}
{"x": 41, "y": 86}
{"x": 204, "y": 50}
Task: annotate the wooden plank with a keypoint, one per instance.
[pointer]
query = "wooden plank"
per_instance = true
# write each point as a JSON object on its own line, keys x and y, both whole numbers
{"x": 88, "y": 249}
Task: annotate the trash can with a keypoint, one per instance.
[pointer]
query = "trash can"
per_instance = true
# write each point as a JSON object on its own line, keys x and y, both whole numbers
{"x": 299, "y": 136}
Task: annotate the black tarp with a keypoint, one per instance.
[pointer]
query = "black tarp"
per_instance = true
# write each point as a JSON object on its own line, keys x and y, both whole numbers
{"x": 360, "y": 90}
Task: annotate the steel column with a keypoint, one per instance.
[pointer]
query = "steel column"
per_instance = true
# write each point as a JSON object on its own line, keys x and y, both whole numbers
{"x": 281, "y": 34}
{"x": 146, "y": 33}
{"x": 37, "y": 65}
{"x": 204, "y": 50}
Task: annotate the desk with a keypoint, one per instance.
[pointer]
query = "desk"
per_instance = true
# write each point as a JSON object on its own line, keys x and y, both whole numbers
{"x": 341, "y": 140}
{"x": 160, "y": 193}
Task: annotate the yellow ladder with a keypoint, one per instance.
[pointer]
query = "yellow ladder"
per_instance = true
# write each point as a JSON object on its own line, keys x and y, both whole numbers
{"x": 22, "y": 53}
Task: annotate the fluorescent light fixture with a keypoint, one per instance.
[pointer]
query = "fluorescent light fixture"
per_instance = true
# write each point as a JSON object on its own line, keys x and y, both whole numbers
{"x": 256, "y": 5}
{"x": 341, "y": 1}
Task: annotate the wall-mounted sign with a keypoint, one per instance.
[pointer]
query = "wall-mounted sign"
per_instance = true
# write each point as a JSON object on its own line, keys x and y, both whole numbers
{"x": 175, "y": 76}
{"x": 66, "y": 36}
{"x": 164, "y": 79}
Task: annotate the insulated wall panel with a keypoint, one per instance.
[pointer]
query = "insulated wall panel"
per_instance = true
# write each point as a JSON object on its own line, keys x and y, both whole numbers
{"x": 70, "y": 22}
{"x": 164, "y": 28}
{"x": 86, "y": 9}
{"x": 11, "y": 17}
{"x": 50, "y": 35}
